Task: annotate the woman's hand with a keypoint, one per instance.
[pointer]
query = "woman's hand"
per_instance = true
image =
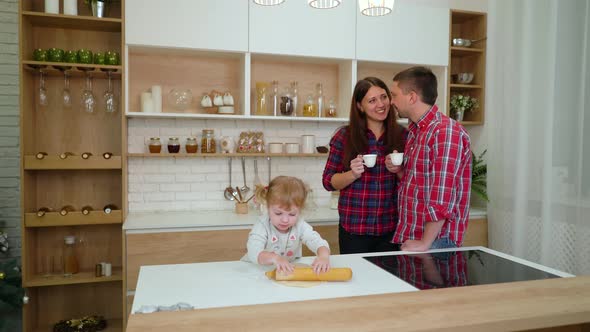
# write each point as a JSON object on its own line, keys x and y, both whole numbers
{"x": 283, "y": 265}
{"x": 357, "y": 167}
{"x": 321, "y": 264}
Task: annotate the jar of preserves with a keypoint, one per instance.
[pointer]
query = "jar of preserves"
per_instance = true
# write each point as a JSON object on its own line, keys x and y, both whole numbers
{"x": 155, "y": 145}
{"x": 173, "y": 145}
{"x": 191, "y": 145}
{"x": 69, "y": 254}
{"x": 208, "y": 141}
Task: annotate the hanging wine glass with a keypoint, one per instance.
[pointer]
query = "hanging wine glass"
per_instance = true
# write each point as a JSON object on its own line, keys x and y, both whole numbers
{"x": 66, "y": 94}
{"x": 42, "y": 91}
{"x": 110, "y": 102}
{"x": 88, "y": 100}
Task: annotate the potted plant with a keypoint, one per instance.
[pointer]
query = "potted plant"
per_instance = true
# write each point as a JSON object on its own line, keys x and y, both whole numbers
{"x": 479, "y": 172}
{"x": 461, "y": 104}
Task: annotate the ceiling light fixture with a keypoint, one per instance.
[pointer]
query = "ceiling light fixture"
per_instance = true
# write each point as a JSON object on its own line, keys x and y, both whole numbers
{"x": 323, "y": 4}
{"x": 268, "y": 2}
{"x": 376, "y": 7}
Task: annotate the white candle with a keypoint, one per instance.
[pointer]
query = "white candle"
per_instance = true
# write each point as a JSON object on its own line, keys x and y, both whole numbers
{"x": 52, "y": 6}
{"x": 108, "y": 270}
{"x": 71, "y": 7}
{"x": 157, "y": 98}
{"x": 147, "y": 104}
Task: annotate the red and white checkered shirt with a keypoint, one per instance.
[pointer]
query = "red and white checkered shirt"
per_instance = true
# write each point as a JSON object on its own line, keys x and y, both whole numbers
{"x": 437, "y": 178}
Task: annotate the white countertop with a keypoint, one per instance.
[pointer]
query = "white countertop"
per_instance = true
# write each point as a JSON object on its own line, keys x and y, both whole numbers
{"x": 223, "y": 284}
{"x": 146, "y": 222}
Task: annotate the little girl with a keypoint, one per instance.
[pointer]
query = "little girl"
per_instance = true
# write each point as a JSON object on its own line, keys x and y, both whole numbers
{"x": 277, "y": 237}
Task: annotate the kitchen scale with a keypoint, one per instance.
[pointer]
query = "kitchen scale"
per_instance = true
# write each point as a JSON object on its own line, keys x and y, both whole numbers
{"x": 456, "y": 269}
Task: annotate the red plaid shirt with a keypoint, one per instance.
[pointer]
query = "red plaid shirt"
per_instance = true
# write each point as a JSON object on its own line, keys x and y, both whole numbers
{"x": 437, "y": 179}
{"x": 368, "y": 205}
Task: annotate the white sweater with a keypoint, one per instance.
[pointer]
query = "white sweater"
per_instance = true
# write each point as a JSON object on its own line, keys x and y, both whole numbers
{"x": 265, "y": 237}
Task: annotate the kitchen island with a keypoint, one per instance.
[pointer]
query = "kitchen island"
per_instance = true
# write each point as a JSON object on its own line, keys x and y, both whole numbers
{"x": 237, "y": 295}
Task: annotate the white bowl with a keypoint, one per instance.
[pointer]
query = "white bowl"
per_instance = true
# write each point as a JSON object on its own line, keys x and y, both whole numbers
{"x": 463, "y": 78}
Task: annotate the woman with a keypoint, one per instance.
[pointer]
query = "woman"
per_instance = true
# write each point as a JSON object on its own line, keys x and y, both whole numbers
{"x": 368, "y": 195}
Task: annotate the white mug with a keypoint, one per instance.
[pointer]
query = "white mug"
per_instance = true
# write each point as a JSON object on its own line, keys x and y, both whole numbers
{"x": 218, "y": 100}
{"x": 369, "y": 160}
{"x": 397, "y": 158}
{"x": 292, "y": 147}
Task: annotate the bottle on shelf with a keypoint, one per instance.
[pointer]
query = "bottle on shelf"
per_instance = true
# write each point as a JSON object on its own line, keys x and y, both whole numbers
{"x": 261, "y": 98}
{"x": 274, "y": 99}
{"x": 69, "y": 254}
{"x": 109, "y": 208}
{"x": 42, "y": 211}
{"x": 173, "y": 145}
{"x": 208, "y": 144}
{"x": 86, "y": 155}
{"x": 155, "y": 145}
{"x": 319, "y": 99}
{"x": 41, "y": 155}
{"x": 286, "y": 106}
{"x": 191, "y": 145}
{"x": 66, "y": 209}
{"x": 65, "y": 155}
{"x": 310, "y": 108}
{"x": 331, "y": 109}
{"x": 86, "y": 210}
{"x": 295, "y": 98}
{"x": 107, "y": 155}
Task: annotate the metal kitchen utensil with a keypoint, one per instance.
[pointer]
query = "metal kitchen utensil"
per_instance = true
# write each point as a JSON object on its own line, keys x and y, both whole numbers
{"x": 239, "y": 194}
{"x": 245, "y": 188}
{"x": 257, "y": 181}
{"x": 228, "y": 193}
{"x": 269, "y": 177}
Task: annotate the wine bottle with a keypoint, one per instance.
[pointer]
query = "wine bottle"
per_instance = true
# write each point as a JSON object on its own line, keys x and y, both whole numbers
{"x": 66, "y": 209}
{"x": 86, "y": 210}
{"x": 107, "y": 155}
{"x": 86, "y": 155}
{"x": 109, "y": 208}
{"x": 40, "y": 155}
{"x": 65, "y": 155}
{"x": 42, "y": 210}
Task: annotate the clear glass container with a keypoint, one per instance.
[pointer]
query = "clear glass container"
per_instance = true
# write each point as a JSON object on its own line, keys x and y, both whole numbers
{"x": 69, "y": 254}
{"x": 173, "y": 145}
{"x": 261, "y": 98}
{"x": 310, "y": 109}
{"x": 155, "y": 145}
{"x": 274, "y": 99}
{"x": 319, "y": 99}
{"x": 295, "y": 98}
{"x": 191, "y": 145}
{"x": 286, "y": 106}
{"x": 331, "y": 109}
{"x": 208, "y": 141}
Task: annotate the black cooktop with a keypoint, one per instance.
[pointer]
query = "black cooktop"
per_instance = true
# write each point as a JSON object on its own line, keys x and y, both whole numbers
{"x": 456, "y": 269}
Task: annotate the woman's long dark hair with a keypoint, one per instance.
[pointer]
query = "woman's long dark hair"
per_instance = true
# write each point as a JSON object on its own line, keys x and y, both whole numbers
{"x": 356, "y": 135}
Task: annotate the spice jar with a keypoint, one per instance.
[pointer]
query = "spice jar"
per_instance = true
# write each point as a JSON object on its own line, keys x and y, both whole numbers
{"x": 69, "y": 254}
{"x": 173, "y": 145}
{"x": 208, "y": 141}
{"x": 191, "y": 145}
{"x": 155, "y": 145}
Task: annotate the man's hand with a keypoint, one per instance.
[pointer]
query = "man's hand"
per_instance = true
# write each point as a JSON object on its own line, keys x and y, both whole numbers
{"x": 415, "y": 245}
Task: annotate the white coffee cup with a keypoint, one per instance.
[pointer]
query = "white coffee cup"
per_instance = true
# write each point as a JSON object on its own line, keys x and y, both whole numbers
{"x": 397, "y": 158}
{"x": 369, "y": 160}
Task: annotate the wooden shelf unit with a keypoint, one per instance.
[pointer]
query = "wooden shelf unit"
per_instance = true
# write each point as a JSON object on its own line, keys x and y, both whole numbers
{"x": 53, "y": 182}
{"x": 468, "y": 25}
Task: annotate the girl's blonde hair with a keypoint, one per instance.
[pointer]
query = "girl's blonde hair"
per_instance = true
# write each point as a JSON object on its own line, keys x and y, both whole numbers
{"x": 284, "y": 191}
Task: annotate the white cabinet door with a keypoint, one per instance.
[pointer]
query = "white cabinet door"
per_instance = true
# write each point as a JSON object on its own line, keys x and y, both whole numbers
{"x": 295, "y": 28}
{"x": 212, "y": 25}
{"x": 412, "y": 34}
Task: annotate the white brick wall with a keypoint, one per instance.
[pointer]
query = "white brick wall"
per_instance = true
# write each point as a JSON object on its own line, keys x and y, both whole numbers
{"x": 9, "y": 126}
{"x": 197, "y": 183}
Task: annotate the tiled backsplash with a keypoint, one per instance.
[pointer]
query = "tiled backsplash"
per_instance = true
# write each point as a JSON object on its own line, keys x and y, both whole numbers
{"x": 180, "y": 184}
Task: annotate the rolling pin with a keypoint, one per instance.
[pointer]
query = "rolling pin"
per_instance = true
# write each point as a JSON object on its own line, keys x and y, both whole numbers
{"x": 307, "y": 274}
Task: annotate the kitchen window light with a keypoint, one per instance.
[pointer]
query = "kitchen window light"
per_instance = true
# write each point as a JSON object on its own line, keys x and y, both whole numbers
{"x": 376, "y": 7}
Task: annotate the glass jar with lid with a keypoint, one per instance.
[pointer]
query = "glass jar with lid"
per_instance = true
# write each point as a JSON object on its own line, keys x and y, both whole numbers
{"x": 191, "y": 145}
{"x": 173, "y": 145}
{"x": 155, "y": 145}
{"x": 208, "y": 144}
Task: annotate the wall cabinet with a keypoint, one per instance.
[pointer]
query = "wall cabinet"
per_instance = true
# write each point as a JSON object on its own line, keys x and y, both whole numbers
{"x": 211, "y": 25}
{"x": 51, "y": 129}
{"x": 411, "y": 34}
{"x": 295, "y": 28}
{"x": 472, "y": 59}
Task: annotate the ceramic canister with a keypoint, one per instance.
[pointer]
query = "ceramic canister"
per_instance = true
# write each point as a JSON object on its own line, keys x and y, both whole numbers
{"x": 275, "y": 147}
{"x": 292, "y": 147}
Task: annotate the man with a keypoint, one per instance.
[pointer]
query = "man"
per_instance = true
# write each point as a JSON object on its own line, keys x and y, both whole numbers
{"x": 433, "y": 196}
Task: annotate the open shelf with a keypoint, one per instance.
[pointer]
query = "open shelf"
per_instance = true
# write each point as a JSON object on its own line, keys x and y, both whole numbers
{"x": 223, "y": 155}
{"x": 465, "y": 86}
{"x": 232, "y": 117}
{"x": 73, "y": 69}
{"x": 78, "y": 22}
{"x": 82, "y": 277}
{"x": 52, "y": 219}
